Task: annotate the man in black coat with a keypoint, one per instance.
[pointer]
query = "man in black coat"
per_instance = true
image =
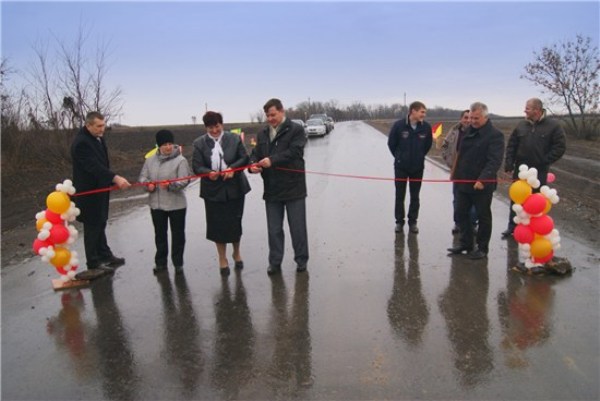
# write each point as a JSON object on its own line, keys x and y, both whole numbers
{"x": 409, "y": 141}
{"x": 91, "y": 172}
{"x": 279, "y": 150}
{"x": 475, "y": 173}
{"x": 538, "y": 141}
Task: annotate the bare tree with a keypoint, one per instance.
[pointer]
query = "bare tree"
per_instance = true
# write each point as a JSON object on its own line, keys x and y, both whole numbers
{"x": 568, "y": 73}
{"x": 63, "y": 86}
{"x": 259, "y": 117}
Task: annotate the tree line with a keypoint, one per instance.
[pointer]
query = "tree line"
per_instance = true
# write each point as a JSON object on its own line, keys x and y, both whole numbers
{"x": 68, "y": 79}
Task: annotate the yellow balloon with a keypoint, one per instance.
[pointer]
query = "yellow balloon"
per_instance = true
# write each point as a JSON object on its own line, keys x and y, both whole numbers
{"x": 40, "y": 223}
{"x": 58, "y": 202}
{"x": 519, "y": 191}
{"x": 540, "y": 247}
{"x": 548, "y": 206}
{"x": 62, "y": 256}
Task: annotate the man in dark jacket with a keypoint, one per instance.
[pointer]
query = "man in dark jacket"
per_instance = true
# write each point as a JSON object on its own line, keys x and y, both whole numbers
{"x": 409, "y": 141}
{"x": 538, "y": 141}
{"x": 475, "y": 174}
{"x": 91, "y": 171}
{"x": 279, "y": 150}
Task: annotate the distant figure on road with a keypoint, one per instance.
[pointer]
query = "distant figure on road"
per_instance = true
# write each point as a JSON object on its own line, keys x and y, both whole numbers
{"x": 409, "y": 141}
{"x": 450, "y": 148}
{"x": 224, "y": 193}
{"x": 538, "y": 141}
{"x": 91, "y": 171}
{"x": 281, "y": 144}
{"x": 479, "y": 160}
{"x": 167, "y": 199}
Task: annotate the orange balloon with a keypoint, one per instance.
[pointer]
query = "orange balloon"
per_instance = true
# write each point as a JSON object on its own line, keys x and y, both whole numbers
{"x": 58, "y": 202}
{"x": 62, "y": 256}
{"x": 40, "y": 223}
{"x": 541, "y": 247}
{"x": 519, "y": 191}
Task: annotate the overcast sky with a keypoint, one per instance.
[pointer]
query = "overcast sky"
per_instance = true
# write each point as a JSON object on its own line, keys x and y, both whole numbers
{"x": 174, "y": 59}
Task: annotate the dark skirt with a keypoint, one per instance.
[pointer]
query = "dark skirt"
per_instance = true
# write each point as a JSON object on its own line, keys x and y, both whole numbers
{"x": 224, "y": 220}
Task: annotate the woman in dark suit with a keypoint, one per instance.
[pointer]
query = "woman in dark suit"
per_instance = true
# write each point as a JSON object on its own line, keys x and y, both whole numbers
{"x": 216, "y": 153}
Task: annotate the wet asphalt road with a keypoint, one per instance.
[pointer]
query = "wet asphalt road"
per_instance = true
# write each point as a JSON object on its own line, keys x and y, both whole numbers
{"x": 378, "y": 316}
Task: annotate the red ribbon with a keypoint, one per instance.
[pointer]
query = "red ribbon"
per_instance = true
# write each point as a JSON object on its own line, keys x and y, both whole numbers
{"x": 361, "y": 177}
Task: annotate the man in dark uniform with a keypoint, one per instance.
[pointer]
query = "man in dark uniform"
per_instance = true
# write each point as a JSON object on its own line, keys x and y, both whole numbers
{"x": 91, "y": 171}
{"x": 477, "y": 163}
{"x": 280, "y": 146}
{"x": 409, "y": 141}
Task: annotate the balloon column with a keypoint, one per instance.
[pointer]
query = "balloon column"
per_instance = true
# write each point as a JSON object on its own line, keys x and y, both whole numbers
{"x": 535, "y": 232}
{"x": 55, "y": 234}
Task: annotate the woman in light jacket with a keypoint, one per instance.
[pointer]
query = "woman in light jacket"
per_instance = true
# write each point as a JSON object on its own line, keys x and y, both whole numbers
{"x": 223, "y": 192}
{"x": 167, "y": 199}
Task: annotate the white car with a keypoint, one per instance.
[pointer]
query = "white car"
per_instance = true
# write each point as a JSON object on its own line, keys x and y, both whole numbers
{"x": 315, "y": 127}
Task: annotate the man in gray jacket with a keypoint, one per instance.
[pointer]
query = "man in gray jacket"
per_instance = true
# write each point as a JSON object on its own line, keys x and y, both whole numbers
{"x": 450, "y": 149}
{"x": 537, "y": 141}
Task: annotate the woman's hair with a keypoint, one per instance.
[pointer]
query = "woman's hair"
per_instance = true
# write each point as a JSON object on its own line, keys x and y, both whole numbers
{"x": 212, "y": 118}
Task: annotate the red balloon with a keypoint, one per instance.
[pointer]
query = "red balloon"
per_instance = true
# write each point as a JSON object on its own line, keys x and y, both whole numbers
{"x": 542, "y": 225}
{"x": 61, "y": 270}
{"x": 53, "y": 218}
{"x": 523, "y": 234}
{"x": 545, "y": 259}
{"x": 550, "y": 178}
{"x": 59, "y": 234}
{"x": 38, "y": 244}
{"x": 534, "y": 204}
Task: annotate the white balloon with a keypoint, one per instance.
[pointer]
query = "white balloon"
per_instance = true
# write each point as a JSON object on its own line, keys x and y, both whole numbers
{"x": 533, "y": 171}
{"x": 523, "y": 167}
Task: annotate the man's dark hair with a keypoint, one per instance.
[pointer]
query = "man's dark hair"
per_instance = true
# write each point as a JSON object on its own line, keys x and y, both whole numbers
{"x": 93, "y": 115}
{"x": 416, "y": 106}
{"x": 212, "y": 118}
{"x": 464, "y": 112}
{"x": 273, "y": 103}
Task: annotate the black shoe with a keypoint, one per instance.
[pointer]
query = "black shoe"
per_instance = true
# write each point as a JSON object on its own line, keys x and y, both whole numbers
{"x": 272, "y": 270}
{"x": 457, "y": 250}
{"x": 159, "y": 268}
{"x": 507, "y": 234}
{"x": 114, "y": 261}
{"x": 413, "y": 228}
{"x": 474, "y": 255}
{"x": 178, "y": 270}
{"x": 301, "y": 268}
{"x": 455, "y": 229}
{"x": 224, "y": 271}
{"x": 398, "y": 228}
{"x": 239, "y": 265}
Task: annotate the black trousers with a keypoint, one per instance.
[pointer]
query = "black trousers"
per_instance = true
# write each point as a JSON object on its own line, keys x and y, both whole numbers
{"x": 161, "y": 220}
{"x": 482, "y": 200}
{"x": 95, "y": 244}
{"x": 296, "y": 214}
{"x": 472, "y": 212}
{"x": 542, "y": 176}
{"x": 414, "y": 189}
